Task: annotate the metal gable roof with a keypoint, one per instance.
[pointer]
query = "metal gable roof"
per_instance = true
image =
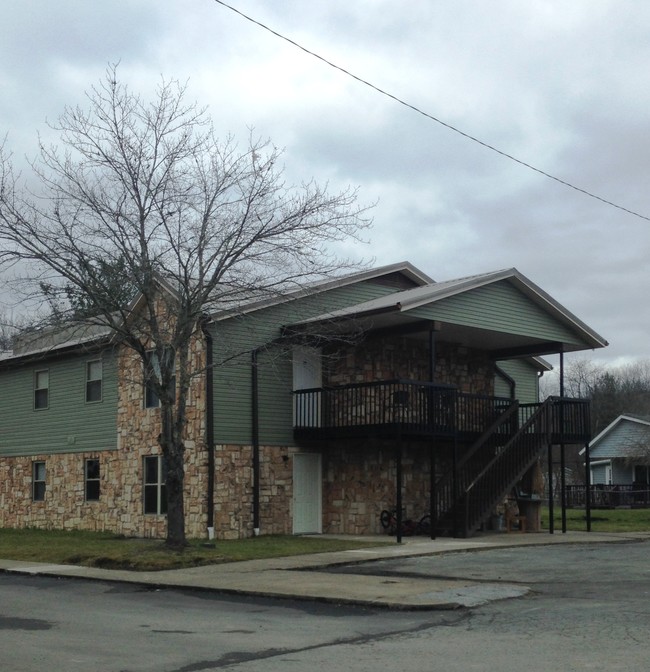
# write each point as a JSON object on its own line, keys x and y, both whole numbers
{"x": 406, "y": 300}
{"x": 406, "y": 268}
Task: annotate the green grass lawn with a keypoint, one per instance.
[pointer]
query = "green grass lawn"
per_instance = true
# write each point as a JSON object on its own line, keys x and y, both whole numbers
{"x": 602, "y": 520}
{"x": 97, "y": 549}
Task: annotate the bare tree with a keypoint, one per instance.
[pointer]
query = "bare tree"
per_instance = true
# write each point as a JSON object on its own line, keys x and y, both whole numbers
{"x": 11, "y": 327}
{"x": 147, "y": 185}
{"x": 580, "y": 377}
{"x": 612, "y": 389}
{"x": 7, "y": 331}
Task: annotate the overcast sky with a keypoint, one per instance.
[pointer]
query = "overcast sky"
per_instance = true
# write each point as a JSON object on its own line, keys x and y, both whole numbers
{"x": 560, "y": 85}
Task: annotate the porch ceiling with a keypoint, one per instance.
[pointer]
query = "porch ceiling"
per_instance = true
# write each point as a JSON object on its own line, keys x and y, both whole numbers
{"x": 500, "y": 345}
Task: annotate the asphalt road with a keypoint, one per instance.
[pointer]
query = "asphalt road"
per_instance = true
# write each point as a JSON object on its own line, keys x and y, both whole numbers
{"x": 589, "y": 609}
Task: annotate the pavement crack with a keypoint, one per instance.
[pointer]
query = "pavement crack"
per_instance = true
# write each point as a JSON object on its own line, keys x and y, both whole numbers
{"x": 239, "y": 657}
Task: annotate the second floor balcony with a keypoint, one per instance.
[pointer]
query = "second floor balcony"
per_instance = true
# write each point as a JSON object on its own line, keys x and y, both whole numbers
{"x": 415, "y": 408}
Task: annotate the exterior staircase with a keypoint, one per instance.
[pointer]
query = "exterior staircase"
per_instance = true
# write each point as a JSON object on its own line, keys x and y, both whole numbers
{"x": 497, "y": 461}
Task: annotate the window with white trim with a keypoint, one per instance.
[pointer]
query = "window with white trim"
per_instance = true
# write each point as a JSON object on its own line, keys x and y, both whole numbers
{"x": 94, "y": 376}
{"x": 91, "y": 480}
{"x": 154, "y": 487}
{"x": 151, "y": 398}
{"x": 41, "y": 389}
{"x": 38, "y": 481}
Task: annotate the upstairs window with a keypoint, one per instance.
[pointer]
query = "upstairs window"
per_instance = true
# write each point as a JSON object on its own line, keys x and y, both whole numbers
{"x": 41, "y": 389}
{"x": 94, "y": 374}
{"x": 38, "y": 481}
{"x": 152, "y": 369}
{"x": 91, "y": 478}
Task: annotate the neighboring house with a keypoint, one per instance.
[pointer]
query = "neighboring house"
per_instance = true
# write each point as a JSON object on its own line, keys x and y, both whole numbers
{"x": 377, "y": 390}
{"x": 620, "y": 454}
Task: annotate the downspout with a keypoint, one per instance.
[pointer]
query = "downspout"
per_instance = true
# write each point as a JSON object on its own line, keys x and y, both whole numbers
{"x": 510, "y": 381}
{"x": 255, "y": 432}
{"x": 432, "y": 354}
{"x": 209, "y": 421}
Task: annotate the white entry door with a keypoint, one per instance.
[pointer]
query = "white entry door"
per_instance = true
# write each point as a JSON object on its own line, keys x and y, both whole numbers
{"x": 307, "y": 493}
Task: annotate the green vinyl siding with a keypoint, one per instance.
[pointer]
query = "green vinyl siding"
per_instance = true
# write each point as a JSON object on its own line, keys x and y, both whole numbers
{"x": 276, "y": 399}
{"x": 526, "y": 381}
{"x": 498, "y": 307}
{"x": 236, "y": 337}
{"x": 69, "y": 423}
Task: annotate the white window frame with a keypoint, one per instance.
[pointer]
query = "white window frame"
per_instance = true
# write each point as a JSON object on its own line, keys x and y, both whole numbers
{"x": 150, "y": 397}
{"x": 39, "y": 387}
{"x": 93, "y": 383}
{"x": 39, "y": 476}
{"x": 93, "y": 480}
{"x": 156, "y": 484}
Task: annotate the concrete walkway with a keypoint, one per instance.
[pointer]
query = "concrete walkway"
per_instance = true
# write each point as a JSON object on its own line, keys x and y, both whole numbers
{"x": 306, "y": 576}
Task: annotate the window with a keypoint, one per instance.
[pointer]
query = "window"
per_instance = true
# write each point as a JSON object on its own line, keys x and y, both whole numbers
{"x": 151, "y": 398}
{"x": 91, "y": 478}
{"x": 94, "y": 381}
{"x": 155, "y": 490}
{"x": 641, "y": 474}
{"x": 38, "y": 481}
{"x": 41, "y": 389}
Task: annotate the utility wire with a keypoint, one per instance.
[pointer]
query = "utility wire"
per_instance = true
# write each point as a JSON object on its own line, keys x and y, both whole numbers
{"x": 432, "y": 118}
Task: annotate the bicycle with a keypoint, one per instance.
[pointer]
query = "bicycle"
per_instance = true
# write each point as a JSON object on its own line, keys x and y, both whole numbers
{"x": 423, "y": 526}
{"x": 388, "y": 520}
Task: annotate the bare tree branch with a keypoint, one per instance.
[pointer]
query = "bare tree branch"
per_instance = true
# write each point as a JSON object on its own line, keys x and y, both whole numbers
{"x": 147, "y": 188}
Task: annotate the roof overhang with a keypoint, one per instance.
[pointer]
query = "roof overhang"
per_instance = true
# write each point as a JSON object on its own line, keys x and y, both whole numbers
{"x": 500, "y": 345}
{"x": 394, "y": 312}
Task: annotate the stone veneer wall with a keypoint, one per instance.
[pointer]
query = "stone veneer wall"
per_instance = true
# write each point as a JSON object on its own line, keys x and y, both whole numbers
{"x": 120, "y": 507}
{"x": 402, "y": 357}
{"x": 64, "y": 506}
{"x": 234, "y": 491}
{"x": 359, "y": 482}
{"x": 138, "y": 430}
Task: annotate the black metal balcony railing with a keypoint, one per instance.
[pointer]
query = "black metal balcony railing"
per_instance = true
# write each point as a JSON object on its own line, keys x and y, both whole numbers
{"x": 409, "y": 404}
{"x": 569, "y": 419}
{"x": 424, "y": 407}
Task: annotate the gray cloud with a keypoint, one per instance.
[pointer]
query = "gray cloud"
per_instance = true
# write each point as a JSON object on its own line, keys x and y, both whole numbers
{"x": 560, "y": 85}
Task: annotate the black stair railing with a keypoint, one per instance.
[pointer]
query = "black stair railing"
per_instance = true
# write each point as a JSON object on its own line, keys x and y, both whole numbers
{"x": 508, "y": 466}
{"x": 472, "y": 462}
{"x": 556, "y": 420}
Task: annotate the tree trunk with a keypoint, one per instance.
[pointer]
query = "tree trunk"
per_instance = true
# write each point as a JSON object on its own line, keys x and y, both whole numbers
{"x": 174, "y": 451}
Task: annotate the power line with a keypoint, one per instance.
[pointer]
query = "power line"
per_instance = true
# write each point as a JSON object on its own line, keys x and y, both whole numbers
{"x": 433, "y": 118}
